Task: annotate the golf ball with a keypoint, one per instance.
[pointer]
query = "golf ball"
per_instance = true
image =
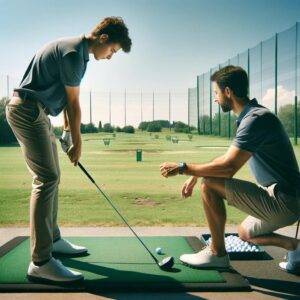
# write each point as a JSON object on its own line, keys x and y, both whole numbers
{"x": 158, "y": 250}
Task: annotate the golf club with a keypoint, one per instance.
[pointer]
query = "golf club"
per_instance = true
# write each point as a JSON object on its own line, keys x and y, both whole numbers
{"x": 168, "y": 262}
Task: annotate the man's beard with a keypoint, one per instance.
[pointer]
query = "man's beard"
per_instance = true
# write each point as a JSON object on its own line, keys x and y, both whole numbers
{"x": 226, "y": 106}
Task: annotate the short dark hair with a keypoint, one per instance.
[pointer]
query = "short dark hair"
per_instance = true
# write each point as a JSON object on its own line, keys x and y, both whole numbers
{"x": 233, "y": 77}
{"x": 116, "y": 30}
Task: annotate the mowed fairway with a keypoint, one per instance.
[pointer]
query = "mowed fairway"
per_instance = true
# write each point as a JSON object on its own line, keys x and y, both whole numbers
{"x": 143, "y": 196}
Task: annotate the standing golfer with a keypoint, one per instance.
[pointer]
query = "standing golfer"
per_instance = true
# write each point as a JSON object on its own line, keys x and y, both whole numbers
{"x": 50, "y": 85}
{"x": 272, "y": 203}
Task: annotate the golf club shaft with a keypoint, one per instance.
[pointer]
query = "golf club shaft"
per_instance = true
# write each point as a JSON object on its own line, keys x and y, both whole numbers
{"x": 115, "y": 208}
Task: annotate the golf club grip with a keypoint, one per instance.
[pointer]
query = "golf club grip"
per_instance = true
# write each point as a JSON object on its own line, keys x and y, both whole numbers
{"x": 86, "y": 172}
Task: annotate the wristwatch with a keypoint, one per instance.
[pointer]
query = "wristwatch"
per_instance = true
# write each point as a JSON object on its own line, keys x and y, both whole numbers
{"x": 182, "y": 167}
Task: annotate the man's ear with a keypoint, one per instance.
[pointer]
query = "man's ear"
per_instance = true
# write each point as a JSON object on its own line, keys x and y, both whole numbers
{"x": 103, "y": 38}
{"x": 227, "y": 91}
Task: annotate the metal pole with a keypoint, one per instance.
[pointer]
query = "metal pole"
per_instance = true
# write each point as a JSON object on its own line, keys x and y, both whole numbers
{"x": 141, "y": 106}
{"x": 109, "y": 106}
{"x": 261, "y": 70}
{"x": 210, "y": 105}
{"x": 170, "y": 109}
{"x": 153, "y": 106}
{"x": 125, "y": 108}
{"x": 198, "y": 109}
{"x": 276, "y": 69}
{"x": 7, "y": 83}
{"x": 248, "y": 62}
{"x": 229, "y": 124}
{"x": 203, "y": 100}
{"x": 296, "y": 91}
{"x": 219, "y": 112}
{"x": 189, "y": 99}
{"x": 296, "y": 122}
{"x": 90, "y": 106}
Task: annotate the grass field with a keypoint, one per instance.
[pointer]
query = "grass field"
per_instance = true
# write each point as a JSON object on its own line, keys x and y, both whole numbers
{"x": 143, "y": 196}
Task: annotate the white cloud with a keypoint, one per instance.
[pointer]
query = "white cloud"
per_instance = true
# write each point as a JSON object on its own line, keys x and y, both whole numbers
{"x": 284, "y": 97}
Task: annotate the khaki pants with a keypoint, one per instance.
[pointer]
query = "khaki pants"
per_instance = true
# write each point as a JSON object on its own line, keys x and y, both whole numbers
{"x": 269, "y": 209}
{"x": 33, "y": 129}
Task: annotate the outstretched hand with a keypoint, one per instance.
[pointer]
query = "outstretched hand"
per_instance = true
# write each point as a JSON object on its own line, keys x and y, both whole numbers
{"x": 168, "y": 169}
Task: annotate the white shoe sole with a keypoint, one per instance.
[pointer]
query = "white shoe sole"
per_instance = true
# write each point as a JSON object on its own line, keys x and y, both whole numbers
{"x": 200, "y": 267}
{"x": 283, "y": 265}
{"x": 48, "y": 281}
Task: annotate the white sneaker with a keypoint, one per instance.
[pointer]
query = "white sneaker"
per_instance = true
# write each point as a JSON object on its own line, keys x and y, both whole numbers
{"x": 205, "y": 259}
{"x": 293, "y": 263}
{"x": 52, "y": 271}
{"x": 65, "y": 247}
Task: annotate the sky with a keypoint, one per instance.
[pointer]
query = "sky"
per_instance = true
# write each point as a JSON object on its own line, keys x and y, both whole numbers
{"x": 173, "y": 42}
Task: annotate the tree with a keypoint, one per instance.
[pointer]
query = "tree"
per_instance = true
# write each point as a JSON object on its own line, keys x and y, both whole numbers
{"x": 154, "y": 127}
{"x": 128, "y": 129}
{"x": 108, "y": 128}
{"x": 181, "y": 127}
{"x": 100, "y": 128}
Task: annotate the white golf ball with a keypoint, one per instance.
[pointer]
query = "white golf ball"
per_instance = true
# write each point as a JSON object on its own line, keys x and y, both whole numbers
{"x": 158, "y": 250}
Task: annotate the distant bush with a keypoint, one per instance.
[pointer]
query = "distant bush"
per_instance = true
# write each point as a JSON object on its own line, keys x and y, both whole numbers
{"x": 181, "y": 127}
{"x": 157, "y": 123}
{"x": 108, "y": 128}
{"x": 88, "y": 128}
{"x": 143, "y": 125}
{"x": 118, "y": 129}
{"x": 154, "y": 127}
{"x": 128, "y": 129}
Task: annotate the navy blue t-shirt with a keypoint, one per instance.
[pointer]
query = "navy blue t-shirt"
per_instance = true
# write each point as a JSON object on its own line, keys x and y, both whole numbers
{"x": 273, "y": 159}
{"x": 58, "y": 64}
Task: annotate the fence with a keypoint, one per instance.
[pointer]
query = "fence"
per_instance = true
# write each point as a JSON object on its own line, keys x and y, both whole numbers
{"x": 273, "y": 67}
{"x": 121, "y": 108}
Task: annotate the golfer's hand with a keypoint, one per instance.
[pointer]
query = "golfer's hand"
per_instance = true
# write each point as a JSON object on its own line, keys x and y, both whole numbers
{"x": 74, "y": 153}
{"x": 66, "y": 140}
{"x": 168, "y": 169}
{"x": 188, "y": 186}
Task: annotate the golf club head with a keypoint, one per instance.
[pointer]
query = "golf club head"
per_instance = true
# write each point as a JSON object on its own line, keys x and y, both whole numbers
{"x": 167, "y": 263}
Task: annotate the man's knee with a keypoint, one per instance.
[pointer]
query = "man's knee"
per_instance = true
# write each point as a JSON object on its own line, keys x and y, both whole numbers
{"x": 243, "y": 233}
{"x": 213, "y": 185}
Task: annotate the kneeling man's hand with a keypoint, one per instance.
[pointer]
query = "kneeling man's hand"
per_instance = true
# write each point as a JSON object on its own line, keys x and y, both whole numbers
{"x": 168, "y": 169}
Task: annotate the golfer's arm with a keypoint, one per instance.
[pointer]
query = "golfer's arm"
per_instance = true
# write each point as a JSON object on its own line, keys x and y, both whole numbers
{"x": 73, "y": 113}
{"x": 225, "y": 166}
{"x": 66, "y": 121}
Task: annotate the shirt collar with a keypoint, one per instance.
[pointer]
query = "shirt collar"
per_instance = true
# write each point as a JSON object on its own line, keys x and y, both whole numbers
{"x": 85, "y": 48}
{"x": 246, "y": 109}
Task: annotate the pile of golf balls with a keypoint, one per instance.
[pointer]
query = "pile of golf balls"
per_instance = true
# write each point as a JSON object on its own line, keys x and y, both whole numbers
{"x": 234, "y": 244}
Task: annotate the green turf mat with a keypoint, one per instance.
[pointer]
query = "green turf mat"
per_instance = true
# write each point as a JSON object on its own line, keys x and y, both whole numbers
{"x": 119, "y": 262}
{"x": 114, "y": 258}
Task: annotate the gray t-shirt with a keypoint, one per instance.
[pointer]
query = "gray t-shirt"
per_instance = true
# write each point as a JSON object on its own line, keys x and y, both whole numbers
{"x": 273, "y": 159}
{"x": 58, "y": 64}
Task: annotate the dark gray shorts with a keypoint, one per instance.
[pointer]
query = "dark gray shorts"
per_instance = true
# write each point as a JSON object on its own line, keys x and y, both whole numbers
{"x": 268, "y": 209}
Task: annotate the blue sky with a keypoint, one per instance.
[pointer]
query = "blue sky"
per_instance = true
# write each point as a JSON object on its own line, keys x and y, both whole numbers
{"x": 173, "y": 40}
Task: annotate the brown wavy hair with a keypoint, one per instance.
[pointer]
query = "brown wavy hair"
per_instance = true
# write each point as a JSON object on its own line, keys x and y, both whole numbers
{"x": 116, "y": 30}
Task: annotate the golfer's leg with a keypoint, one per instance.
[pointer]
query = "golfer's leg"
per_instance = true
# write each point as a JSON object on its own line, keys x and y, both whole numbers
{"x": 56, "y": 231}
{"x": 265, "y": 239}
{"x": 213, "y": 192}
{"x": 267, "y": 211}
{"x": 34, "y": 137}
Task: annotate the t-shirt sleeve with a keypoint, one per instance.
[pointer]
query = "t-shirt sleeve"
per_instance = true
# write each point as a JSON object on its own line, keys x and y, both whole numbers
{"x": 251, "y": 134}
{"x": 71, "y": 69}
